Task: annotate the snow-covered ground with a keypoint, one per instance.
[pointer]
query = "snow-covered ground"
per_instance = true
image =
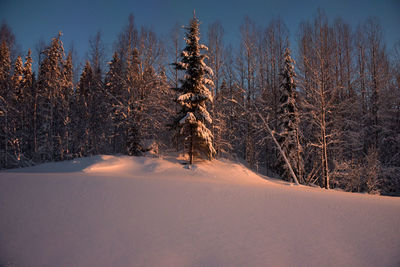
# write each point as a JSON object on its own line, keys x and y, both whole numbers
{"x": 126, "y": 211}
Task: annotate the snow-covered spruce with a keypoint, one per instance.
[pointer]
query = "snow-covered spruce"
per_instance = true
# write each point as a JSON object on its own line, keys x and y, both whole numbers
{"x": 288, "y": 121}
{"x": 193, "y": 95}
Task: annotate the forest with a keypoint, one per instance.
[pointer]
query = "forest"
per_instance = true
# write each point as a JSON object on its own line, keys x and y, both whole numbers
{"x": 332, "y": 99}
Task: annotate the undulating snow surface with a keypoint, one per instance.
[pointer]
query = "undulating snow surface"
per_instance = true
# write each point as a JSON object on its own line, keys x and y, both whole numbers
{"x": 126, "y": 211}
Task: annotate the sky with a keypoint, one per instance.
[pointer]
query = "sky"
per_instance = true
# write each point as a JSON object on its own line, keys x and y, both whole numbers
{"x": 32, "y": 20}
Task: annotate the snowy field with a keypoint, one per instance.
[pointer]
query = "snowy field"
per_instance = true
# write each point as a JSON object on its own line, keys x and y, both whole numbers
{"x": 125, "y": 211}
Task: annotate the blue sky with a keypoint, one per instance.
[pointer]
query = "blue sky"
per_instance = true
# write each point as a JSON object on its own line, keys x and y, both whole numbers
{"x": 31, "y": 20}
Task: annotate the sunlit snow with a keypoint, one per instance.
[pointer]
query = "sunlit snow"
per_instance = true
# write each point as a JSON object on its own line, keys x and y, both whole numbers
{"x": 139, "y": 211}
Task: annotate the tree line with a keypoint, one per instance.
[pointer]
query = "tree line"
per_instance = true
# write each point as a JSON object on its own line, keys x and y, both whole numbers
{"x": 335, "y": 111}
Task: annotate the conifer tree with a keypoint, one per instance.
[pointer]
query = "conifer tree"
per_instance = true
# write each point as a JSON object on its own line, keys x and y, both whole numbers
{"x": 28, "y": 75}
{"x": 67, "y": 93}
{"x": 27, "y": 109}
{"x": 5, "y": 68}
{"x": 194, "y": 95}
{"x": 114, "y": 87}
{"x": 5, "y": 83}
{"x": 84, "y": 102}
{"x": 17, "y": 74}
{"x": 15, "y": 119}
{"x": 288, "y": 121}
{"x": 49, "y": 89}
{"x": 131, "y": 102}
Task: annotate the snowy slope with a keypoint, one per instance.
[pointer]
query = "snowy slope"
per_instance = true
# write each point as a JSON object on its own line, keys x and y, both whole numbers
{"x": 125, "y": 211}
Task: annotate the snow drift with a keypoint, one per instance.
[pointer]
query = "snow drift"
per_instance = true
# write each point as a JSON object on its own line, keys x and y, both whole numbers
{"x": 137, "y": 211}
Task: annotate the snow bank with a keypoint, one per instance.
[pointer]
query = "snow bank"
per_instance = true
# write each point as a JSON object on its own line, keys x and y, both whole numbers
{"x": 127, "y": 211}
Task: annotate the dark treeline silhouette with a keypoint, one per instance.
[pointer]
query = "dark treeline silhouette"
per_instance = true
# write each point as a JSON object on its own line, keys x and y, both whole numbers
{"x": 335, "y": 110}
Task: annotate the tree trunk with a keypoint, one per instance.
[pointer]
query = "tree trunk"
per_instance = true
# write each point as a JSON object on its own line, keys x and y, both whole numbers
{"x": 279, "y": 147}
{"x": 191, "y": 148}
{"x": 299, "y": 167}
{"x": 325, "y": 169}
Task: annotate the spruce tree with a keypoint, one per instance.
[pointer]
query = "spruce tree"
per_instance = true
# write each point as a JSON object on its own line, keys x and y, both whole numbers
{"x": 17, "y": 75}
{"x": 114, "y": 86}
{"x": 28, "y": 75}
{"x": 67, "y": 93}
{"x": 50, "y": 119}
{"x": 27, "y": 89}
{"x": 84, "y": 105}
{"x": 193, "y": 95}
{"x": 132, "y": 102}
{"x": 5, "y": 69}
{"x": 97, "y": 112}
{"x": 5, "y": 84}
{"x": 16, "y": 102}
{"x": 288, "y": 121}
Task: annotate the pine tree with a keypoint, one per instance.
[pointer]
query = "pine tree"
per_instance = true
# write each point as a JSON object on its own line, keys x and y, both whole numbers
{"x": 288, "y": 120}
{"x": 194, "y": 95}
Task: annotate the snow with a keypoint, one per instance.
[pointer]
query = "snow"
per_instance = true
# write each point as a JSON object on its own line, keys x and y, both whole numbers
{"x": 204, "y": 114}
{"x": 208, "y": 81}
{"x": 189, "y": 117}
{"x": 138, "y": 211}
{"x": 185, "y": 97}
{"x": 202, "y": 46}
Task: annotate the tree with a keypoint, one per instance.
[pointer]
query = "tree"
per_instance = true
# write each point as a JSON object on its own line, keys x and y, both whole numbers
{"x": 288, "y": 121}
{"x": 49, "y": 115}
{"x": 5, "y": 86}
{"x": 84, "y": 102}
{"x": 7, "y": 36}
{"x": 229, "y": 101}
{"x": 247, "y": 66}
{"x": 27, "y": 109}
{"x": 216, "y": 52}
{"x": 130, "y": 105}
{"x": 127, "y": 39}
{"x": 215, "y": 55}
{"x": 16, "y": 102}
{"x": 271, "y": 48}
{"x": 114, "y": 87}
{"x": 193, "y": 96}
{"x": 225, "y": 117}
{"x": 389, "y": 121}
{"x": 5, "y": 68}
{"x": 96, "y": 54}
{"x": 67, "y": 91}
{"x": 17, "y": 74}
{"x": 319, "y": 92}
